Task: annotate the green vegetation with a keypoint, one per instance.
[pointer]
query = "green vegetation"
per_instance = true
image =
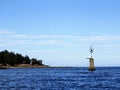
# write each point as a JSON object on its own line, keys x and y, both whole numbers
{"x": 11, "y": 58}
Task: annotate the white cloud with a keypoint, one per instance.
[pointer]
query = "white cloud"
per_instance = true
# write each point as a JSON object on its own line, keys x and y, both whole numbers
{"x": 44, "y": 36}
{"x": 94, "y": 33}
{"x": 46, "y": 51}
{"x": 5, "y": 31}
{"x": 109, "y": 45}
{"x": 101, "y": 40}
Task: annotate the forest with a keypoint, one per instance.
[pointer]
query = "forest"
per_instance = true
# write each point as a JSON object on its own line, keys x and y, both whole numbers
{"x": 11, "y": 58}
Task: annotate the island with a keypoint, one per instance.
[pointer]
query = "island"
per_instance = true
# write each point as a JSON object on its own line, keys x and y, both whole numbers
{"x": 16, "y": 60}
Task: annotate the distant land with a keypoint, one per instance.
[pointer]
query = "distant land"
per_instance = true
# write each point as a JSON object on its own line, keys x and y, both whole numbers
{"x": 16, "y": 60}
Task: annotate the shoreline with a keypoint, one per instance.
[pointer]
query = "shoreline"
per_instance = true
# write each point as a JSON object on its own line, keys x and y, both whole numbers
{"x": 23, "y": 66}
{"x": 44, "y": 66}
{"x": 34, "y": 66}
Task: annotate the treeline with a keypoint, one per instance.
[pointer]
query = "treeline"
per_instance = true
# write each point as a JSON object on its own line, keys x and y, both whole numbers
{"x": 12, "y": 59}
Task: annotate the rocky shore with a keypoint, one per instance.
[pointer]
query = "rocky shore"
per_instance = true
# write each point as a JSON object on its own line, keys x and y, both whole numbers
{"x": 23, "y": 66}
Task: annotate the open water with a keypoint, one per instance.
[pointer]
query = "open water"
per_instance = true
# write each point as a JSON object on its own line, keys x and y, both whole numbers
{"x": 104, "y": 78}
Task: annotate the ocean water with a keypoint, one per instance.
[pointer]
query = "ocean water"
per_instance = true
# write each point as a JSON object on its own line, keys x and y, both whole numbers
{"x": 103, "y": 78}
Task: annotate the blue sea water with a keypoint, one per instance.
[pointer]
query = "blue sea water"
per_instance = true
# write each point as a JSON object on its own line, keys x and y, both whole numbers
{"x": 103, "y": 78}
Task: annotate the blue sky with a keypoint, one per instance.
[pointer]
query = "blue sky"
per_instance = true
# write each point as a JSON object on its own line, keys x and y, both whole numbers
{"x": 60, "y": 32}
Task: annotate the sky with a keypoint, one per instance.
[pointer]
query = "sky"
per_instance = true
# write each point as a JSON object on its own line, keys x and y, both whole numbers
{"x": 60, "y": 32}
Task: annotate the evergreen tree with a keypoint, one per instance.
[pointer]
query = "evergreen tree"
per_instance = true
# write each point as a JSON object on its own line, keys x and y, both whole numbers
{"x": 11, "y": 58}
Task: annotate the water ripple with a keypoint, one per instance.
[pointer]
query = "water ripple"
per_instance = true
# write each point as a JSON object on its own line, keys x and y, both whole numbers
{"x": 60, "y": 79}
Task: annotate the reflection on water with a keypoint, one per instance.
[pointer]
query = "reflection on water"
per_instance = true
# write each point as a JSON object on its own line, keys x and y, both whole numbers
{"x": 60, "y": 79}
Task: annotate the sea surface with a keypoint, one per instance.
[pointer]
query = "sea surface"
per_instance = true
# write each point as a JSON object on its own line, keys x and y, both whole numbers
{"x": 75, "y": 78}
